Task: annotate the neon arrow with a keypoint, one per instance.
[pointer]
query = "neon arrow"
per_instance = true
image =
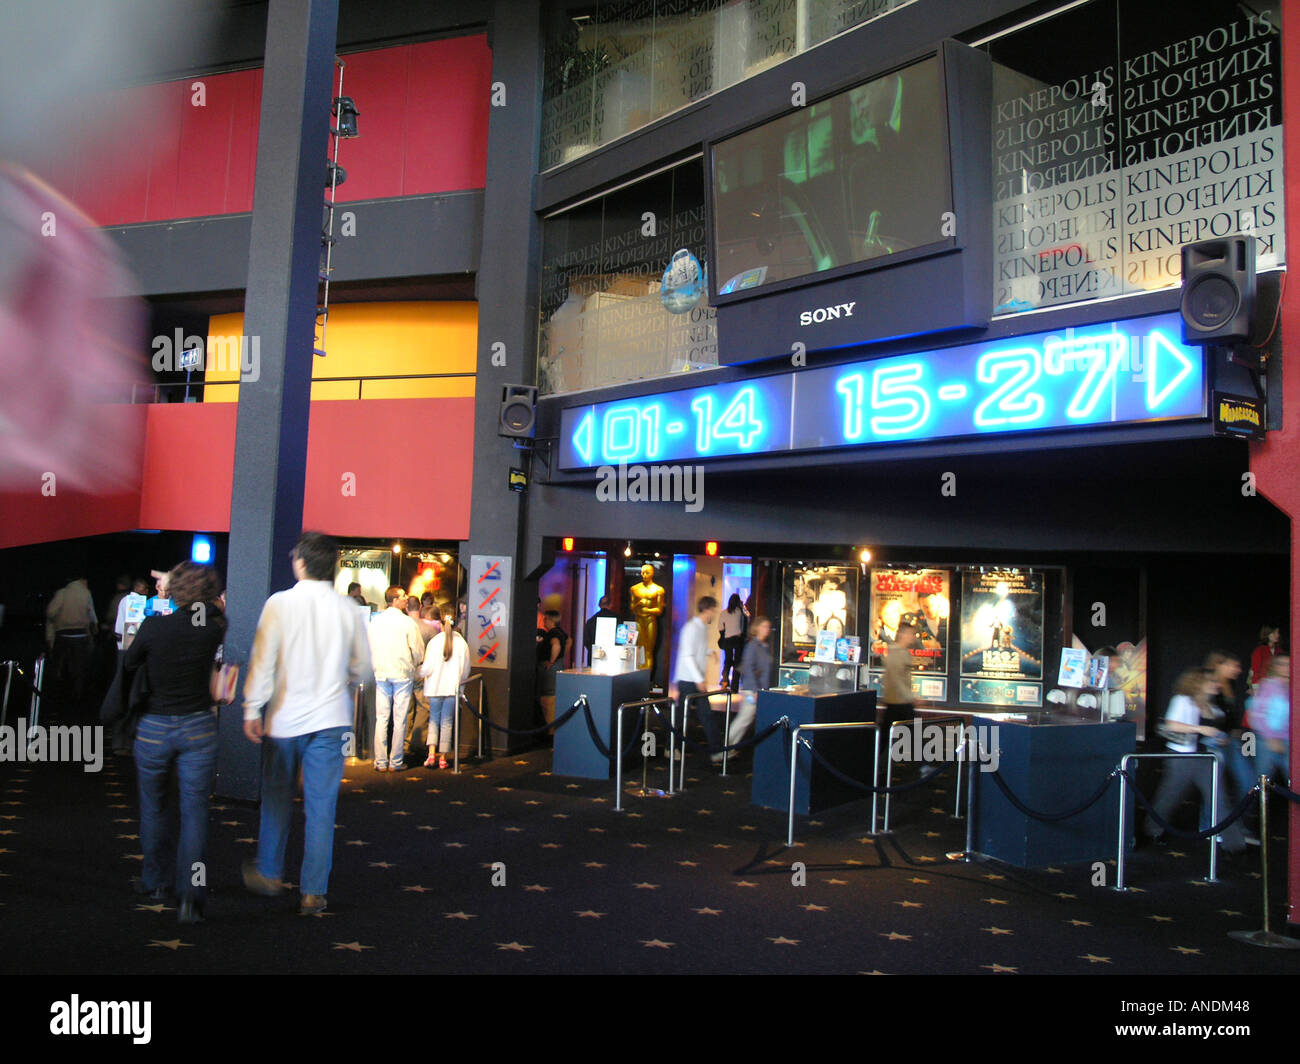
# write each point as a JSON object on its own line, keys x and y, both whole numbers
{"x": 582, "y": 436}
{"x": 1155, "y": 396}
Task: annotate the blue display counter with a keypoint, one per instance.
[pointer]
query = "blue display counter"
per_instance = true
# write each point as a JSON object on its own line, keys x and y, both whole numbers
{"x": 575, "y": 753}
{"x": 851, "y": 751}
{"x": 1051, "y": 765}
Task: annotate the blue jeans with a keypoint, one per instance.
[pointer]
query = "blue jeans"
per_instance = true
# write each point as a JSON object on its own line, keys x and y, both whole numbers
{"x": 189, "y": 741}
{"x": 320, "y": 756}
{"x": 392, "y": 699}
{"x": 1268, "y": 763}
{"x": 442, "y": 714}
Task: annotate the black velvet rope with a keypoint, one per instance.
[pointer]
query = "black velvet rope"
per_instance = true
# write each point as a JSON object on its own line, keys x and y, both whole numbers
{"x": 1052, "y": 817}
{"x": 598, "y": 742}
{"x": 1285, "y": 792}
{"x": 1215, "y": 829}
{"x": 527, "y": 731}
{"x": 898, "y": 788}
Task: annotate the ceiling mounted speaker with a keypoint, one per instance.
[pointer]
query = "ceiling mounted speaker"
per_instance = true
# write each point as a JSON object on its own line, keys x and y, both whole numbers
{"x": 1218, "y": 303}
{"x": 518, "y": 412}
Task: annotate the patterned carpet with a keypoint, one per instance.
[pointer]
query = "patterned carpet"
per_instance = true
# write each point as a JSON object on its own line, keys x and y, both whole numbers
{"x": 699, "y": 883}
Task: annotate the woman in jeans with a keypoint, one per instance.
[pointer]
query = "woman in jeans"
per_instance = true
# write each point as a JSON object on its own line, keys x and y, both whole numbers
{"x": 445, "y": 668}
{"x": 179, "y": 726}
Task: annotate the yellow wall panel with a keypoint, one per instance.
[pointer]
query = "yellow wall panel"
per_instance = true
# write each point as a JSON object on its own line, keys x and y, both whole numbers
{"x": 379, "y": 340}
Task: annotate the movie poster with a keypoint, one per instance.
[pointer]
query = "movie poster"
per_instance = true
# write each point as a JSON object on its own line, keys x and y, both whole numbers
{"x": 818, "y": 598}
{"x": 1002, "y": 636}
{"x": 921, "y": 595}
{"x": 1126, "y": 683}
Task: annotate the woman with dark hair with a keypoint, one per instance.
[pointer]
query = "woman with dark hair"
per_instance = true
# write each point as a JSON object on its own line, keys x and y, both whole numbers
{"x": 731, "y": 640}
{"x": 445, "y": 668}
{"x": 178, "y": 726}
{"x": 1261, "y": 659}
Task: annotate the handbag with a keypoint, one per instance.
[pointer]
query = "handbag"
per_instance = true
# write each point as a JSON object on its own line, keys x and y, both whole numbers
{"x": 225, "y": 678}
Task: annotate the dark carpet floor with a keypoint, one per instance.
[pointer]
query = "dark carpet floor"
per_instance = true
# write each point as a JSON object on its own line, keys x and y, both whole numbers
{"x": 699, "y": 883}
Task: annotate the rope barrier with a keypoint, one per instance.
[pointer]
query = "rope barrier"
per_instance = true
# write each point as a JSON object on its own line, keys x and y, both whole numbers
{"x": 598, "y": 742}
{"x": 527, "y": 731}
{"x": 869, "y": 788}
{"x": 1285, "y": 792}
{"x": 1215, "y": 829}
{"x": 1053, "y": 817}
{"x": 753, "y": 740}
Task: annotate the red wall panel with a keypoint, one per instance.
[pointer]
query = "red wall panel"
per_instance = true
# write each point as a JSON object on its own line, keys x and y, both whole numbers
{"x": 189, "y": 465}
{"x": 424, "y": 118}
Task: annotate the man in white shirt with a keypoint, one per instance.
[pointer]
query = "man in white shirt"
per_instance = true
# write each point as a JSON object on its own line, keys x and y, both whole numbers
{"x": 690, "y": 665}
{"x": 309, "y": 649}
{"x": 397, "y": 651}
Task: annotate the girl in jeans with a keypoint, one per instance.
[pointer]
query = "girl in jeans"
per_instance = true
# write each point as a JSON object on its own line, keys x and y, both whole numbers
{"x": 445, "y": 668}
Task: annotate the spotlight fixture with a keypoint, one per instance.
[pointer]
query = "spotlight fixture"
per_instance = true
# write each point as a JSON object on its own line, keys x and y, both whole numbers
{"x": 397, "y": 548}
{"x": 864, "y": 556}
{"x": 335, "y": 175}
{"x": 627, "y": 551}
{"x": 345, "y": 110}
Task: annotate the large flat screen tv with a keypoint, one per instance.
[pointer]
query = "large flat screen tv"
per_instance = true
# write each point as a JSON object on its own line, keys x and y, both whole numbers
{"x": 861, "y": 214}
{"x": 860, "y": 176}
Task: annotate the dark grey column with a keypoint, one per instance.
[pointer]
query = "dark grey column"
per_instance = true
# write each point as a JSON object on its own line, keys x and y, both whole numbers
{"x": 279, "y": 318}
{"x": 507, "y": 307}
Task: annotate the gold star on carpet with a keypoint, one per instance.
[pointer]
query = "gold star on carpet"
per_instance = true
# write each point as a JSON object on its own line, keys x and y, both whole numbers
{"x": 994, "y": 901}
{"x": 746, "y": 883}
{"x": 1055, "y": 871}
{"x": 1092, "y": 959}
{"x": 936, "y": 809}
{"x": 781, "y": 940}
{"x": 382, "y": 864}
{"x": 1177, "y": 853}
{"x": 357, "y": 842}
{"x": 706, "y": 911}
{"x": 455, "y": 845}
{"x": 874, "y": 971}
{"x": 457, "y": 802}
{"x": 997, "y": 930}
{"x": 552, "y": 846}
{"x": 571, "y": 786}
{"x": 646, "y": 886}
{"x": 505, "y": 788}
{"x": 513, "y": 946}
{"x": 589, "y": 914}
{"x": 895, "y": 936}
{"x": 246, "y": 839}
{"x": 931, "y": 834}
{"x": 1198, "y": 883}
{"x": 1230, "y": 912}
{"x": 459, "y": 916}
{"x": 521, "y": 762}
{"x": 704, "y": 812}
{"x": 435, "y": 790}
{"x": 688, "y": 864}
{"x": 852, "y": 863}
{"x": 655, "y": 943}
{"x": 600, "y": 799}
{"x": 230, "y": 823}
{"x": 597, "y": 831}
{"x": 1184, "y": 950}
{"x": 918, "y": 879}
{"x": 159, "y": 908}
{"x": 417, "y": 889}
{"x": 537, "y": 888}
{"x": 838, "y": 882}
{"x": 1080, "y": 923}
{"x": 345, "y": 779}
{"x": 910, "y": 904}
{"x": 721, "y": 846}
{"x": 814, "y": 908}
{"x": 993, "y": 875}
{"x": 532, "y": 802}
{"x": 639, "y": 845}
{"x": 1066, "y": 897}
{"x": 125, "y": 856}
{"x": 355, "y": 947}
{"x": 122, "y": 820}
{"x": 998, "y": 968}
{"x": 400, "y": 812}
{"x": 172, "y": 944}
{"x": 592, "y": 864}
{"x": 424, "y": 827}
{"x": 867, "y": 840}
{"x": 481, "y": 776}
{"x": 543, "y": 773}
{"x": 637, "y": 815}
{"x": 119, "y": 836}
{"x": 928, "y": 860}
{"x": 1162, "y": 919}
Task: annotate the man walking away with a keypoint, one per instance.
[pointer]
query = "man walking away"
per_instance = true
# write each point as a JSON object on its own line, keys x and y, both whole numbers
{"x": 69, "y": 622}
{"x": 397, "y": 652}
{"x": 309, "y": 648}
{"x": 689, "y": 670}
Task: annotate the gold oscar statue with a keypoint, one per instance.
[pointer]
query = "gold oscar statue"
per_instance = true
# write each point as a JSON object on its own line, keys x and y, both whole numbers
{"x": 647, "y": 601}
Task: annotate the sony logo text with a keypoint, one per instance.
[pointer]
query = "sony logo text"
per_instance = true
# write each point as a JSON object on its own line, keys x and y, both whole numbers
{"x": 821, "y": 314}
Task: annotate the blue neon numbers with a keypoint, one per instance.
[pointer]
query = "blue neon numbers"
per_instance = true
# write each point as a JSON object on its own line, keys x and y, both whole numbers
{"x": 1120, "y": 373}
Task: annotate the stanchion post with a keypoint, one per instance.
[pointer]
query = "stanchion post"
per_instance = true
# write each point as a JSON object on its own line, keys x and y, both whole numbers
{"x": 643, "y": 719}
{"x": 618, "y": 763}
{"x": 794, "y": 763}
{"x": 875, "y": 781}
{"x": 961, "y": 763}
{"x": 9, "y": 679}
{"x": 672, "y": 742}
{"x": 726, "y": 732}
{"x": 1120, "y": 855}
{"x": 1265, "y": 937}
{"x": 971, "y": 762}
{"x": 1214, "y": 819}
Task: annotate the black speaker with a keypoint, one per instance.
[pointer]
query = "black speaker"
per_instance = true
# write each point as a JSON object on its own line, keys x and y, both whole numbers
{"x": 518, "y": 412}
{"x": 1218, "y": 303}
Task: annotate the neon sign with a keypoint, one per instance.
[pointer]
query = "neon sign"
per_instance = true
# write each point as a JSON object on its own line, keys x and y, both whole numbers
{"x": 1120, "y": 373}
